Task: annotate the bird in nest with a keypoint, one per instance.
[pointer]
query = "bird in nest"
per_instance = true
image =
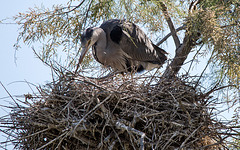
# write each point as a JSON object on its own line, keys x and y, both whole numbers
{"x": 123, "y": 46}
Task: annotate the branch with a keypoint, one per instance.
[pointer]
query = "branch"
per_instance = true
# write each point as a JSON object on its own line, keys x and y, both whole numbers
{"x": 75, "y": 7}
{"x": 170, "y": 24}
{"x": 169, "y": 34}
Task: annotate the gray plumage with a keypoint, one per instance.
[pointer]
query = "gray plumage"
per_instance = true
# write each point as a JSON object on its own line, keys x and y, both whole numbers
{"x": 123, "y": 46}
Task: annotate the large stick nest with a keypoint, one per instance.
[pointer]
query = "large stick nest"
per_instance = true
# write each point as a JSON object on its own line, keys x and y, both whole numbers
{"x": 114, "y": 113}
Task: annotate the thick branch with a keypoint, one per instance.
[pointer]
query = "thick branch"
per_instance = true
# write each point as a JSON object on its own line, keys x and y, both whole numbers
{"x": 170, "y": 24}
{"x": 177, "y": 62}
{"x": 182, "y": 52}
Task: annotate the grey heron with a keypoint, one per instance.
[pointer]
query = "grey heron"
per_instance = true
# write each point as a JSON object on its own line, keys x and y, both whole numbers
{"x": 123, "y": 46}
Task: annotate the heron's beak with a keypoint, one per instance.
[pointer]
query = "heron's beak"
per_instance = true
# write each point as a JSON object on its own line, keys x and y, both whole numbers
{"x": 85, "y": 48}
{"x": 84, "y": 51}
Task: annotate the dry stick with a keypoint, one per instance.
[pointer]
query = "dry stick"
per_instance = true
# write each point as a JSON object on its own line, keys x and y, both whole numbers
{"x": 49, "y": 65}
{"x": 198, "y": 51}
{"x": 10, "y": 95}
{"x": 78, "y": 64}
{"x": 98, "y": 105}
{"x": 205, "y": 69}
{"x": 112, "y": 145}
{"x": 175, "y": 134}
{"x": 17, "y": 139}
{"x": 86, "y": 140}
{"x": 131, "y": 140}
{"x": 182, "y": 107}
{"x": 129, "y": 129}
{"x": 189, "y": 137}
{"x": 52, "y": 141}
{"x": 160, "y": 137}
{"x": 118, "y": 138}
{"x": 106, "y": 139}
{"x": 86, "y": 80}
{"x": 215, "y": 89}
{"x": 170, "y": 24}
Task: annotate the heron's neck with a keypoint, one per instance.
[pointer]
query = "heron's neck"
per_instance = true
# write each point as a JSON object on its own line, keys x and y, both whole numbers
{"x": 101, "y": 39}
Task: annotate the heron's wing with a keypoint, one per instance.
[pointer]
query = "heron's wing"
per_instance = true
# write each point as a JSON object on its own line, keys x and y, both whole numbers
{"x": 136, "y": 44}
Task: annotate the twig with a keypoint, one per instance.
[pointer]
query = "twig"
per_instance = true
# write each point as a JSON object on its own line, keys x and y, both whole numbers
{"x": 183, "y": 143}
{"x": 112, "y": 145}
{"x": 86, "y": 140}
{"x": 182, "y": 107}
{"x": 194, "y": 58}
{"x": 175, "y": 134}
{"x": 129, "y": 129}
{"x": 75, "y": 7}
{"x": 10, "y": 95}
{"x": 98, "y": 105}
{"x": 52, "y": 141}
{"x": 106, "y": 139}
{"x": 230, "y": 25}
{"x": 19, "y": 139}
{"x": 118, "y": 138}
{"x": 86, "y": 80}
{"x": 215, "y": 89}
{"x": 78, "y": 64}
{"x": 210, "y": 59}
{"x": 39, "y": 57}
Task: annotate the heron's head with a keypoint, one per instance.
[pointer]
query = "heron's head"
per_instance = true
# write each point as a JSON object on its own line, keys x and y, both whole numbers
{"x": 88, "y": 38}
